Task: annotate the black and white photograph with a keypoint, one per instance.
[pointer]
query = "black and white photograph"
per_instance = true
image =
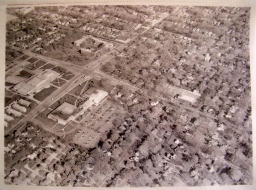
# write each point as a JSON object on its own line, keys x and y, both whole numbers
{"x": 127, "y": 96}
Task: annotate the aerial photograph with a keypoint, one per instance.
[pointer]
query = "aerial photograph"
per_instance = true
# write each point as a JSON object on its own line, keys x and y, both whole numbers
{"x": 127, "y": 96}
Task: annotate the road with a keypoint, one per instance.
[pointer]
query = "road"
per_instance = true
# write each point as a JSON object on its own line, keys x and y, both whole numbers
{"x": 14, "y": 69}
{"x": 90, "y": 70}
{"x": 48, "y": 101}
{"x": 117, "y": 81}
{"x": 71, "y": 67}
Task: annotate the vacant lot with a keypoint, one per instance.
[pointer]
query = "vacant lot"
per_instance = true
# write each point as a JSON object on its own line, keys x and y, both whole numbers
{"x": 48, "y": 66}
{"x": 25, "y": 74}
{"x": 36, "y": 65}
{"x": 10, "y": 97}
{"x": 32, "y": 60}
{"x": 44, "y": 93}
{"x": 22, "y": 58}
{"x": 60, "y": 70}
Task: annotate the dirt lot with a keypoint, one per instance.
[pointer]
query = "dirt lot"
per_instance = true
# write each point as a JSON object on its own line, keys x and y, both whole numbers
{"x": 60, "y": 70}
{"x": 7, "y": 101}
{"x": 25, "y": 74}
{"x": 44, "y": 93}
{"x": 10, "y": 97}
{"x": 48, "y": 66}
{"x": 36, "y": 65}
{"x": 32, "y": 60}
{"x": 22, "y": 58}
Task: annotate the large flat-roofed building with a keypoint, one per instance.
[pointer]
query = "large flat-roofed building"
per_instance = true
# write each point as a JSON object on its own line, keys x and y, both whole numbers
{"x": 19, "y": 108}
{"x": 67, "y": 112}
{"x": 94, "y": 100}
{"x": 24, "y": 102}
{"x": 14, "y": 112}
{"x": 8, "y": 117}
{"x": 62, "y": 113}
{"x": 36, "y": 83}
